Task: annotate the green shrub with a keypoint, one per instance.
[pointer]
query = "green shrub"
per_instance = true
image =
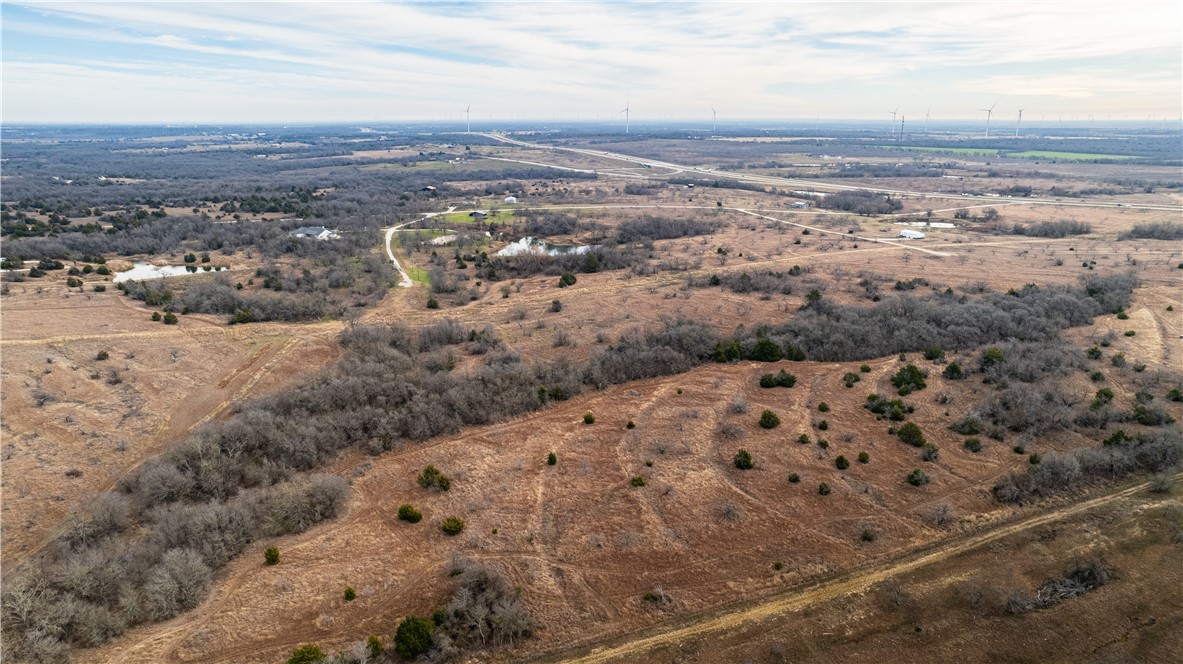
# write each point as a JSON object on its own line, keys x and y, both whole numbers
{"x": 794, "y": 478}
{"x": 866, "y": 368}
{"x": 170, "y": 318}
{"x": 823, "y": 443}
{"x": 863, "y": 457}
{"x": 588, "y": 418}
{"x": 452, "y": 525}
{"x": 374, "y": 647}
{"x": 841, "y": 462}
{"x": 778, "y": 565}
{"x": 432, "y": 478}
{"x": 1175, "y": 394}
{"x": 556, "y": 306}
{"x": 917, "y": 478}
{"x": 350, "y": 594}
{"x": 990, "y": 357}
{"x": 568, "y": 279}
{"x": 823, "y": 407}
{"x": 850, "y": 378}
{"x": 103, "y": 355}
{"x": 766, "y": 350}
{"x": 1130, "y": 333}
{"x": 803, "y": 439}
{"x": 929, "y": 452}
{"x": 99, "y": 288}
{"x": 769, "y": 420}
{"x": 307, "y": 654}
{"x": 413, "y": 637}
{"x": 868, "y": 535}
{"x": 551, "y": 459}
{"x": 743, "y": 460}
{"x": 408, "y": 513}
{"x": 71, "y": 282}
{"x": 432, "y": 303}
{"x": 823, "y": 489}
{"x": 271, "y": 556}
{"x": 1094, "y": 353}
{"x": 909, "y": 379}
{"x": 156, "y": 316}
{"x": 637, "y": 480}
{"x": 911, "y": 434}
{"x": 1121, "y": 315}
{"x": 824, "y": 425}
{"x": 1034, "y": 459}
{"x": 1019, "y": 449}
{"x": 630, "y": 425}
{"x": 934, "y": 352}
{"x": 780, "y": 379}
{"x": 967, "y": 426}
{"x": 973, "y": 445}
{"x": 953, "y": 372}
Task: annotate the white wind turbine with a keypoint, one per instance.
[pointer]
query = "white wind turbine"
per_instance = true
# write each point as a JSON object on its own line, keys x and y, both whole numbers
{"x": 989, "y": 112}
{"x": 893, "y": 113}
{"x": 926, "y": 121}
{"x": 714, "y": 119}
{"x": 1019, "y": 121}
{"x": 625, "y": 111}
{"x": 468, "y": 119}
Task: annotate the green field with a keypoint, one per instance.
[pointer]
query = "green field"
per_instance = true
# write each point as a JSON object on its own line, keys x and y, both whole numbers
{"x": 417, "y": 274}
{"x": 971, "y": 152}
{"x": 1068, "y": 156}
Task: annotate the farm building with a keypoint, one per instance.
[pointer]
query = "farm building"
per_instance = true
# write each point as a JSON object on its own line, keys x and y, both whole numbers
{"x": 799, "y": 205}
{"x": 911, "y": 235}
{"x": 511, "y": 199}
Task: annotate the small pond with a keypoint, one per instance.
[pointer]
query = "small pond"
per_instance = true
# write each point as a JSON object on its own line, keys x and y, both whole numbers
{"x": 530, "y": 245}
{"x": 145, "y": 271}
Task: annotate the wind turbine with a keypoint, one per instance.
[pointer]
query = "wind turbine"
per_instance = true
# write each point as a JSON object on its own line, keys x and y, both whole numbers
{"x": 1020, "y": 120}
{"x": 714, "y": 119}
{"x": 625, "y": 111}
{"x": 468, "y": 119}
{"x": 989, "y": 112}
{"x": 897, "y": 108}
{"x": 926, "y": 121}
{"x": 903, "y": 118}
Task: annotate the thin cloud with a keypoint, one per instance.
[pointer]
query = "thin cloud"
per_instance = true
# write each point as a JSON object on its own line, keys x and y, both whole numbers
{"x": 411, "y": 60}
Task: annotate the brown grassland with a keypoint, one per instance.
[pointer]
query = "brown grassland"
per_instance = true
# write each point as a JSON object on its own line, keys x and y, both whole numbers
{"x": 583, "y": 544}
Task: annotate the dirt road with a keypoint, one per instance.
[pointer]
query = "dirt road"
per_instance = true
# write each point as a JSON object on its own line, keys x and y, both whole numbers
{"x": 635, "y": 646}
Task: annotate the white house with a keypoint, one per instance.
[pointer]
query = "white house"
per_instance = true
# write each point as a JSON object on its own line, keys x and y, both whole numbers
{"x": 316, "y": 232}
{"x": 511, "y": 199}
{"x": 911, "y": 235}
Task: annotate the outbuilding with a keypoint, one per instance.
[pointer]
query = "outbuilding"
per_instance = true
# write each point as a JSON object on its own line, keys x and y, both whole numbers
{"x": 511, "y": 199}
{"x": 911, "y": 235}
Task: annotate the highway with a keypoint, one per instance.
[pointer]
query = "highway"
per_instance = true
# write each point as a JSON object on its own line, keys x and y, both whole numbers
{"x": 805, "y": 184}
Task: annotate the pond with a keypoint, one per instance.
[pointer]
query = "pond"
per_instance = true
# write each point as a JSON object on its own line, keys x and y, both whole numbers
{"x": 145, "y": 271}
{"x": 926, "y": 224}
{"x": 530, "y": 245}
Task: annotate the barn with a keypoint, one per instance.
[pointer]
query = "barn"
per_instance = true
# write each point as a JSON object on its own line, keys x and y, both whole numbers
{"x": 911, "y": 235}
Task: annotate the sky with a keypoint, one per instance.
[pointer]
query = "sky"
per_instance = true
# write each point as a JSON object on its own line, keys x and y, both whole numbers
{"x": 270, "y": 62}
